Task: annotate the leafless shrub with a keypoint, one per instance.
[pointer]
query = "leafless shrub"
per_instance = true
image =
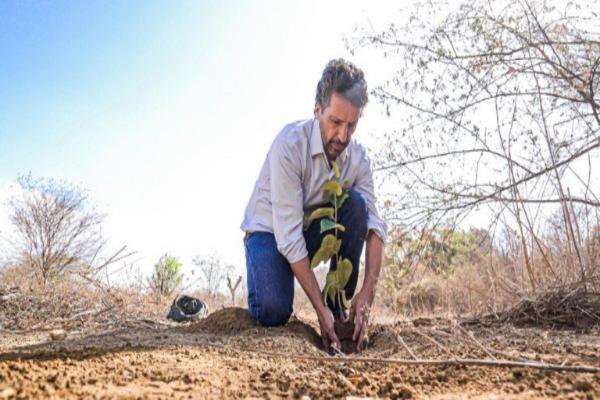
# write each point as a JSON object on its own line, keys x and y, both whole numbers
{"x": 57, "y": 231}
{"x": 212, "y": 272}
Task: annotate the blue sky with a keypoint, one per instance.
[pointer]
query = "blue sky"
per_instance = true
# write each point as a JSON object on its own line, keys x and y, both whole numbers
{"x": 163, "y": 110}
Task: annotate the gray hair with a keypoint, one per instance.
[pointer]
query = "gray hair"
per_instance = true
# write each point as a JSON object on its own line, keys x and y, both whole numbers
{"x": 346, "y": 79}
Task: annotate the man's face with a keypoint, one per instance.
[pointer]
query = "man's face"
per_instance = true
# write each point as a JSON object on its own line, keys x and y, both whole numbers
{"x": 338, "y": 122}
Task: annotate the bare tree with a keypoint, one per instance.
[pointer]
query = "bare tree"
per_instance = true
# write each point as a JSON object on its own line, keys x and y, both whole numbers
{"x": 496, "y": 108}
{"x": 213, "y": 272}
{"x": 57, "y": 230}
{"x": 233, "y": 287}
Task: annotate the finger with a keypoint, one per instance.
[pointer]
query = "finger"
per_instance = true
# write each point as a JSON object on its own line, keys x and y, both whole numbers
{"x": 352, "y": 311}
{"x": 325, "y": 340}
{"x": 358, "y": 321}
{"x": 361, "y": 339}
{"x": 335, "y": 339}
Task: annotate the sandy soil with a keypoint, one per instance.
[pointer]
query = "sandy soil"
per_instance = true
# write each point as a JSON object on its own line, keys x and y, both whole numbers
{"x": 228, "y": 356}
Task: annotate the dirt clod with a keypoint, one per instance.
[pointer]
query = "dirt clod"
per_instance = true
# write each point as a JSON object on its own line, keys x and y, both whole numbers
{"x": 57, "y": 334}
{"x": 7, "y": 393}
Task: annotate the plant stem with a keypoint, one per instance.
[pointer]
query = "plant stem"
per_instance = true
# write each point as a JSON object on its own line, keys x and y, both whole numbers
{"x": 339, "y": 301}
{"x": 337, "y": 258}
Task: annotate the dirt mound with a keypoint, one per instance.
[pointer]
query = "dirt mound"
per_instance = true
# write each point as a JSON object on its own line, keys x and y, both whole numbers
{"x": 383, "y": 338}
{"x": 227, "y": 321}
{"x": 235, "y": 321}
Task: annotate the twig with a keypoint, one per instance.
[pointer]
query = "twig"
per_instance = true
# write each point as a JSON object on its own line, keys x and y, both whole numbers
{"x": 455, "y": 361}
{"x": 435, "y": 342}
{"x": 403, "y": 343}
{"x": 472, "y": 337}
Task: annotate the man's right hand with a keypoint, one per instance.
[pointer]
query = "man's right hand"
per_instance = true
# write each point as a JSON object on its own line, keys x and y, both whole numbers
{"x": 307, "y": 280}
{"x": 328, "y": 335}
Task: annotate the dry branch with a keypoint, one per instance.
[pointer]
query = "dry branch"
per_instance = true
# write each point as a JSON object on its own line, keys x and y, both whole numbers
{"x": 451, "y": 362}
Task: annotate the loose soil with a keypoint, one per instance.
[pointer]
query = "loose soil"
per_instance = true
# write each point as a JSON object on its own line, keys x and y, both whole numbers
{"x": 227, "y": 356}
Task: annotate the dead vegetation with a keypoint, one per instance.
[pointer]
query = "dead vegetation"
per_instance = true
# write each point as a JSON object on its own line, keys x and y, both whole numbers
{"x": 559, "y": 309}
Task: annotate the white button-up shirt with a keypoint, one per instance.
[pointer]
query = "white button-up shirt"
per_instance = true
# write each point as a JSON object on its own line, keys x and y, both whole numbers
{"x": 288, "y": 188}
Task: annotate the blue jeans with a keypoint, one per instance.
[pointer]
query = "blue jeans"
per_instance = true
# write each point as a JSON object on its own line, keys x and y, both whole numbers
{"x": 270, "y": 278}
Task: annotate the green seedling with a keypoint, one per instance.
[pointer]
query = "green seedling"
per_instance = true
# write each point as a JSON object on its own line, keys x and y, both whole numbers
{"x": 336, "y": 281}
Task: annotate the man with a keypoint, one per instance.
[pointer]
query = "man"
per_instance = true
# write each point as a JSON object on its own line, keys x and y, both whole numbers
{"x": 280, "y": 243}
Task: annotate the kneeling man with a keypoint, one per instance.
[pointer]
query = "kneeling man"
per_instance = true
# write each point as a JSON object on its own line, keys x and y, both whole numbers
{"x": 280, "y": 242}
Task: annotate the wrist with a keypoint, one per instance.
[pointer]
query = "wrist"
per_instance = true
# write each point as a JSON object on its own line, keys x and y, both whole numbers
{"x": 368, "y": 293}
{"x": 320, "y": 308}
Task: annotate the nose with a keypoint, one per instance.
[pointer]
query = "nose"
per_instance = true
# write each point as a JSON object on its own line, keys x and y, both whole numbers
{"x": 344, "y": 133}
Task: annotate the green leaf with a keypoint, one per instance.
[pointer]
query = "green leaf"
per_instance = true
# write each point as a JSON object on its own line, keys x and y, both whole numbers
{"x": 336, "y": 169}
{"x": 322, "y": 212}
{"x": 329, "y": 246}
{"x": 327, "y": 224}
{"x": 340, "y": 200}
{"x": 333, "y": 187}
{"x": 345, "y": 301}
{"x": 338, "y": 245}
{"x": 332, "y": 291}
{"x": 325, "y": 291}
{"x": 344, "y": 270}
{"x": 330, "y": 285}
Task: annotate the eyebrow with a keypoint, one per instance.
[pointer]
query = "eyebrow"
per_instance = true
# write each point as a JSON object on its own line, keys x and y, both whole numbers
{"x": 336, "y": 119}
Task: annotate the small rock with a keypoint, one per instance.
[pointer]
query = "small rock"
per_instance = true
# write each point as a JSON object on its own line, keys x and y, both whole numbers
{"x": 343, "y": 382}
{"x": 7, "y": 393}
{"x": 58, "y": 334}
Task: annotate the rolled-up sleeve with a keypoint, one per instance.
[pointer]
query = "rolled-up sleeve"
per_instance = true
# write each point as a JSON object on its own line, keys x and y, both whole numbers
{"x": 364, "y": 185}
{"x": 286, "y": 199}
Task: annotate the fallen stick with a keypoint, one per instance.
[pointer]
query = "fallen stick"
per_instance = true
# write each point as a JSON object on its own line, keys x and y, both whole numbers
{"x": 453, "y": 362}
{"x": 472, "y": 337}
{"x": 435, "y": 342}
{"x": 403, "y": 343}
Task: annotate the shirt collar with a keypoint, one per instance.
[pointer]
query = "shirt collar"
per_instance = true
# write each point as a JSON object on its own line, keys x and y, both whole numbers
{"x": 316, "y": 143}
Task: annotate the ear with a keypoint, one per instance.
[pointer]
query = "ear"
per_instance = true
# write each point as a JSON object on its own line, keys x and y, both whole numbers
{"x": 317, "y": 110}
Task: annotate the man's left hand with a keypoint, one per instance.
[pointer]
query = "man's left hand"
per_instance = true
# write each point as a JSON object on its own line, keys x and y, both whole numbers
{"x": 359, "y": 313}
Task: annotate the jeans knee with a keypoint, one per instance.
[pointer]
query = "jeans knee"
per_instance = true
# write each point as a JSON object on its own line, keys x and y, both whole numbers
{"x": 271, "y": 313}
{"x": 357, "y": 209}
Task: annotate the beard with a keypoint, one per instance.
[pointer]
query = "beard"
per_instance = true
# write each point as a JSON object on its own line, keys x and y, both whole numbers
{"x": 332, "y": 152}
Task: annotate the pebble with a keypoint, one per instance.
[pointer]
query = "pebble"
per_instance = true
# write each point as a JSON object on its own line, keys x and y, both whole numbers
{"x": 7, "y": 393}
{"x": 58, "y": 334}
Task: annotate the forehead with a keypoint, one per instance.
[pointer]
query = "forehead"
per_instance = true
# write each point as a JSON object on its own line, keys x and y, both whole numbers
{"x": 342, "y": 109}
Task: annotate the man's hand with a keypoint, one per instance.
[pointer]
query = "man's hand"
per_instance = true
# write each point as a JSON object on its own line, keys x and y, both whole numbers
{"x": 309, "y": 283}
{"x": 359, "y": 313}
{"x": 361, "y": 304}
{"x": 327, "y": 332}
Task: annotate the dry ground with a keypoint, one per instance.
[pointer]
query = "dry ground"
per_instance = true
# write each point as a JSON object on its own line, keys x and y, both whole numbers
{"x": 228, "y": 356}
